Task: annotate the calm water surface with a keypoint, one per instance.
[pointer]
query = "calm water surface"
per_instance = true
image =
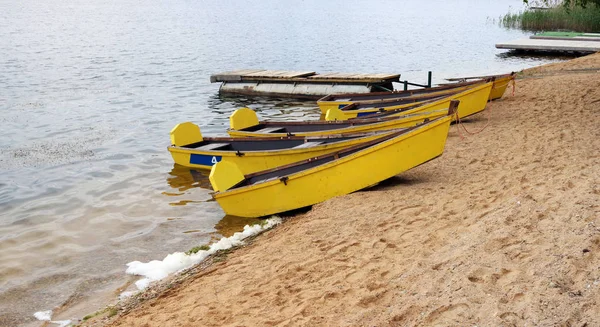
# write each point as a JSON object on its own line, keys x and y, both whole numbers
{"x": 90, "y": 89}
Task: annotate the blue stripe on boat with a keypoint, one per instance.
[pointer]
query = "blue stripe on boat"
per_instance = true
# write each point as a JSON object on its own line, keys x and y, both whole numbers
{"x": 361, "y": 114}
{"x": 202, "y": 159}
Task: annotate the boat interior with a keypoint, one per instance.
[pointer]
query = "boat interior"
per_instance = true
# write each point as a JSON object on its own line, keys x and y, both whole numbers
{"x": 396, "y": 94}
{"x": 295, "y": 127}
{"x": 281, "y": 172}
{"x": 264, "y": 144}
{"x": 359, "y": 106}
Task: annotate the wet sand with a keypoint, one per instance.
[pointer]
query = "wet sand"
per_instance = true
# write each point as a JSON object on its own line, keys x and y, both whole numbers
{"x": 502, "y": 230}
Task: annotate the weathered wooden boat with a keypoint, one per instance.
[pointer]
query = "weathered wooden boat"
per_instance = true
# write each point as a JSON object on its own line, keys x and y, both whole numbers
{"x": 244, "y": 123}
{"x": 339, "y": 101}
{"x": 315, "y": 180}
{"x": 472, "y": 100}
{"x": 189, "y": 148}
{"x": 501, "y": 83}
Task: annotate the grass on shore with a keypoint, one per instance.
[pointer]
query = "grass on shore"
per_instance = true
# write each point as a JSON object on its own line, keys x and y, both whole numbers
{"x": 558, "y": 18}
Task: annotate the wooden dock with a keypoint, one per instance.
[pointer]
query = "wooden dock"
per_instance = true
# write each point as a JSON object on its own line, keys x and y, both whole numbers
{"x": 300, "y": 84}
{"x": 572, "y": 38}
{"x": 257, "y": 74}
{"x": 554, "y": 44}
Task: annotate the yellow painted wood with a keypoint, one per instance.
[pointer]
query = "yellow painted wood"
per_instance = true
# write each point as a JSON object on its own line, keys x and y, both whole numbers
{"x": 225, "y": 176}
{"x": 500, "y": 85}
{"x": 338, "y": 104}
{"x": 408, "y": 120}
{"x": 472, "y": 100}
{"x": 185, "y": 133}
{"x": 338, "y": 177}
{"x": 243, "y": 118}
{"x": 253, "y": 161}
{"x": 424, "y": 106}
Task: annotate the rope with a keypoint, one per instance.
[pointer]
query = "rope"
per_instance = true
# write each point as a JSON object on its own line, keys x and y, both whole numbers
{"x": 460, "y": 124}
{"x": 457, "y": 120}
{"x": 514, "y": 84}
{"x": 487, "y": 116}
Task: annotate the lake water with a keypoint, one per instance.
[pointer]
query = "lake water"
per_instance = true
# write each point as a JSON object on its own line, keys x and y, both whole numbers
{"x": 89, "y": 91}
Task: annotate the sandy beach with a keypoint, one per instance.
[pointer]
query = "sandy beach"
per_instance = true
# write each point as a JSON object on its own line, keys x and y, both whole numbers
{"x": 502, "y": 230}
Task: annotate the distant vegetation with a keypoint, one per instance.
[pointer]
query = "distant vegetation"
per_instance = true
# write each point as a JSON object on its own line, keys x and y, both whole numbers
{"x": 571, "y": 16}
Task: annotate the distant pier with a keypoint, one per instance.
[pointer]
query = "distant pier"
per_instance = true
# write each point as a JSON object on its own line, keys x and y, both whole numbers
{"x": 556, "y": 42}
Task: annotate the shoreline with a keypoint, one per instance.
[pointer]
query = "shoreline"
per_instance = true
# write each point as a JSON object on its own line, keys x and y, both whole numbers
{"x": 493, "y": 232}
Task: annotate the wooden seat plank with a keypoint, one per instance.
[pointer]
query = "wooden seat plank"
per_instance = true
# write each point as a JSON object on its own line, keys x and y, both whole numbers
{"x": 276, "y": 129}
{"x": 212, "y": 146}
{"x": 307, "y": 145}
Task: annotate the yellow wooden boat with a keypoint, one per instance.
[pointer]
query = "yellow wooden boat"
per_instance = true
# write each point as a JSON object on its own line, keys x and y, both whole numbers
{"x": 315, "y": 180}
{"x": 338, "y": 101}
{"x": 501, "y": 83}
{"x": 244, "y": 123}
{"x": 472, "y": 101}
{"x": 189, "y": 148}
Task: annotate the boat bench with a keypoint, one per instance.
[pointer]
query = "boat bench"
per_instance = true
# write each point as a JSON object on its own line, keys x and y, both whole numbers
{"x": 307, "y": 145}
{"x": 271, "y": 130}
{"x": 213, "y": 146}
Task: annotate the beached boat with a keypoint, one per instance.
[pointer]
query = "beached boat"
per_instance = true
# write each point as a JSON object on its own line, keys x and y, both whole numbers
{"x": 501, "y": 83}
{"x": 244, "y": 123}
{"x": 189, "y": 148}
{"x": 472, "y": 101}
{"x": 409, "y": 97}
{"x": 315, "y": 180}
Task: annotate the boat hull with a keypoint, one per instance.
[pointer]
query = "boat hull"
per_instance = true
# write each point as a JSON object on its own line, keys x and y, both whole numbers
{"x": 338, "y": 177}
{"x": 500, "y": 86}
{"x": 325, "y": 105}
{"x": 252, "y": 161}
{"x": 472, "y": 101}
{"x": 384, "y": 125}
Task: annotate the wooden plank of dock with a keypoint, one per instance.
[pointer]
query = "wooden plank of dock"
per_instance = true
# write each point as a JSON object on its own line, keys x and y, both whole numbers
{"x": 551, "y": 45}
{"x": 566, "y": 38}
{"x": 261, "y": 75}
{"x": 365, "y": 78}
{"x": 279, "y": 74}
{"x": 257, "y": 74}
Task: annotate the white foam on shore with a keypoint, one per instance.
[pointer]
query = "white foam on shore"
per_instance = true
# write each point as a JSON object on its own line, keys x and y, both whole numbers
{"x": 157, "y": 270}
{"x": 126, "y": 294}
{"x": 61, "y": 323}
{"x": 47, "y": 316}
{"x": 43, "y": 315}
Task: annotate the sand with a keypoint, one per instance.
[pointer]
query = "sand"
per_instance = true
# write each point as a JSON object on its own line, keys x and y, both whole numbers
{"x": 502, "y": 230}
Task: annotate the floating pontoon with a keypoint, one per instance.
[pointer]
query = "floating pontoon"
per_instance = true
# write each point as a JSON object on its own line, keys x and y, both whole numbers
{"x": 300, "y": 84}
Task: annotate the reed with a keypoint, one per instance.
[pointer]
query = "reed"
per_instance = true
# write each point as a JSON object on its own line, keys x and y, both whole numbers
{"x": 573, "y": 18}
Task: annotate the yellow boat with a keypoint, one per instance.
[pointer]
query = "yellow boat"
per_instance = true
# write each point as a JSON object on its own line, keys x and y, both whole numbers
{"x": 472, "y": 101}
{"x": 501, "y": 82}
{"x": 190, "y": 149}
{"x": 315, "y": 180}
{"x": 500, "y": 85}
{"x": 338, "y": 101}
{"x": 244, "y": 123}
